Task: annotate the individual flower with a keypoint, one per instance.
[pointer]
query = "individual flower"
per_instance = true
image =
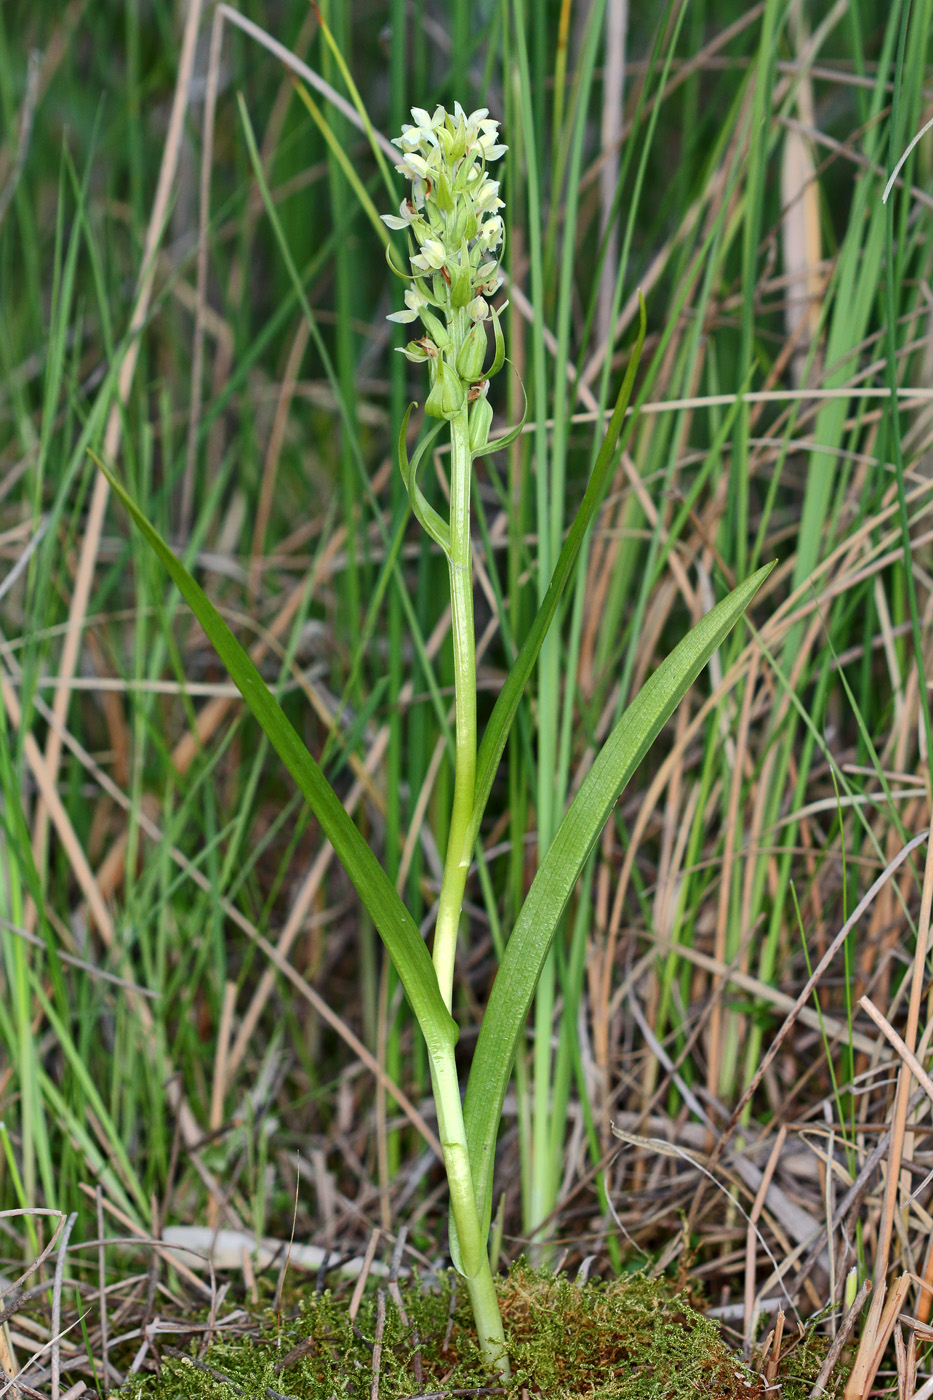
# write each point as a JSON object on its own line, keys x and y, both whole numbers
{"x": 419, "y": 350}
{"x": 423, "y": 132}
{"x": 487, "y": 140}
{"x": 407, "y": 213}
{"x": 432, "y": 256}
{"x": 414, "y": 303}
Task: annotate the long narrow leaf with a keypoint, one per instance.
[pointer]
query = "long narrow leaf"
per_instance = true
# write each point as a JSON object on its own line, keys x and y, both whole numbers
{"x": 575, "y": 838}
{"x": 504, "y": 710}
{"x": 398, "y": 930}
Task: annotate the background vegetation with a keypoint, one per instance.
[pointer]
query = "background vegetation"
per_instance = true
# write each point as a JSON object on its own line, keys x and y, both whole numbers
{"x": 196, "y": 1024}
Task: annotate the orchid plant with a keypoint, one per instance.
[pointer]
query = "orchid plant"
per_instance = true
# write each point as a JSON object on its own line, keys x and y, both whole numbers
{"x": 456, "y": 235}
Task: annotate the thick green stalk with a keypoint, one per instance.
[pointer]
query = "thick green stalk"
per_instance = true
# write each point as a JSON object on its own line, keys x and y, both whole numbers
{"x": 459, "y": 844}
{"x": 454, "y": 233}
{"x": 473, "y": 1253}
{"x": 473, "y": 1260}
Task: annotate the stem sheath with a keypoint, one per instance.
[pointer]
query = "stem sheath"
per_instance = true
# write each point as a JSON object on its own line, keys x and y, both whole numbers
{"x": 473, "y": 1253}
{"x": 459, "y": 844}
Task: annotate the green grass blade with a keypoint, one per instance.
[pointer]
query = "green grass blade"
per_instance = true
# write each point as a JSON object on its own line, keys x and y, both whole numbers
{"x": 575, "y": 838}
{"x": 500, "y": 721}
{"x": 346, "y": 165}
{"x": 392, "y": 919}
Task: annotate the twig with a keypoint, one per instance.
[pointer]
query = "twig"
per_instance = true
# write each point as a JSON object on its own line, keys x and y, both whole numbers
{"x": 30, "y": 101}
{"x": 377, "y": 1344}
{"x": 755, "y": 1215}
{"x": 57, "y": 1305}
{"x": 219, "y": 1375}
{"x": 14, "y": 1288}
{"x": 396, "y": 1295}
{"x": 450, "y": 1313}
{"x": 102, "y": 1291}
{"x": 842, "y": 1336}
{"x": 444, "y": 1394}
{"x": 368, "y": 1258}
{"x": 890, "y": 1034}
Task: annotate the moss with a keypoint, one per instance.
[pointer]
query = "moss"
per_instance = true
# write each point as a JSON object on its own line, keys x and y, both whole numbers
{"x": 629, "y": 1339}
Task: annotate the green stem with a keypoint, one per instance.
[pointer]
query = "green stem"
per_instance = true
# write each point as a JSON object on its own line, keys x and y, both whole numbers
{"x": 459, "y": 844}
{"x": 472, "y": 1251}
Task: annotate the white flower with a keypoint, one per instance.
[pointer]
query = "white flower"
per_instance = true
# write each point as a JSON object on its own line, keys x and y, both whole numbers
{"x": 433, "y": 255}
{"x": 444, "y": 156}
{"x": 414, "y": 301}
{"x": 490, "y": 150}
{"x": 426, "y": 123}
{"x": 414, "y": 165}
{"x": 486, "y": 199}
{"x": 425, "y": 129}
{"x": 490, "y": 235}
{"x": 474, "y": 117}
{"x": 424, "y": 132}
{"x": 406, "y": 213}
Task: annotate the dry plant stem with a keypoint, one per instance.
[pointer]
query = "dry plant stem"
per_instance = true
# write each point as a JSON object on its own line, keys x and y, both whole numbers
{"x": 459, "y": 845}
{"x": 101, "y": 492}
{"x": 842, "y": 1337}
{"x": 865, "y": 1363}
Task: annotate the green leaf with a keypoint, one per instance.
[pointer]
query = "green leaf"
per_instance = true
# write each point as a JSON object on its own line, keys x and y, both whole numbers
{"x": 528, "y": 947}
{"x": 506, "y": 706}
{"x": 396, "y": 927}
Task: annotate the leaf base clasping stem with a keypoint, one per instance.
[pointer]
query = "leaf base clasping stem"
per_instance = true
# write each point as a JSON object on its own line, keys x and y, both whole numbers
{"x": 459, "y": 843}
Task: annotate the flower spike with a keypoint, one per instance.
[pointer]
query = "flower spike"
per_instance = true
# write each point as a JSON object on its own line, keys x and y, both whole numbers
{"x": 455, "y": 247}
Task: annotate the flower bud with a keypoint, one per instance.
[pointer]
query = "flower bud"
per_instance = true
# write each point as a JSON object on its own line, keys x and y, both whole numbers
{"x": 447, "y": 396}
{"x": 418, "y": 350}
{"x": 471, "y": 355}
{"x": 480, "y": 422}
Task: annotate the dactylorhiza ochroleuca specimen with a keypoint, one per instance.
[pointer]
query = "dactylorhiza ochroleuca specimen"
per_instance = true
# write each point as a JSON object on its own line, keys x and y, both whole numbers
{"x": 455, "y": 237}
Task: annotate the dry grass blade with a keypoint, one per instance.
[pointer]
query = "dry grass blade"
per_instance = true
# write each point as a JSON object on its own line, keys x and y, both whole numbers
{"x": 872, "y": 1346}
{"x": 57, "y": 1304}
{"x": 27, "y": 113}
{"x": 100, "y": 492}
{"x": 878, "y": 1325}
{"x": 834, "y": 1354}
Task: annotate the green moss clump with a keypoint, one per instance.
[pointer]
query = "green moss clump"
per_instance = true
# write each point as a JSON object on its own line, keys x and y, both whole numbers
{"x": 632, "y": 1338}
